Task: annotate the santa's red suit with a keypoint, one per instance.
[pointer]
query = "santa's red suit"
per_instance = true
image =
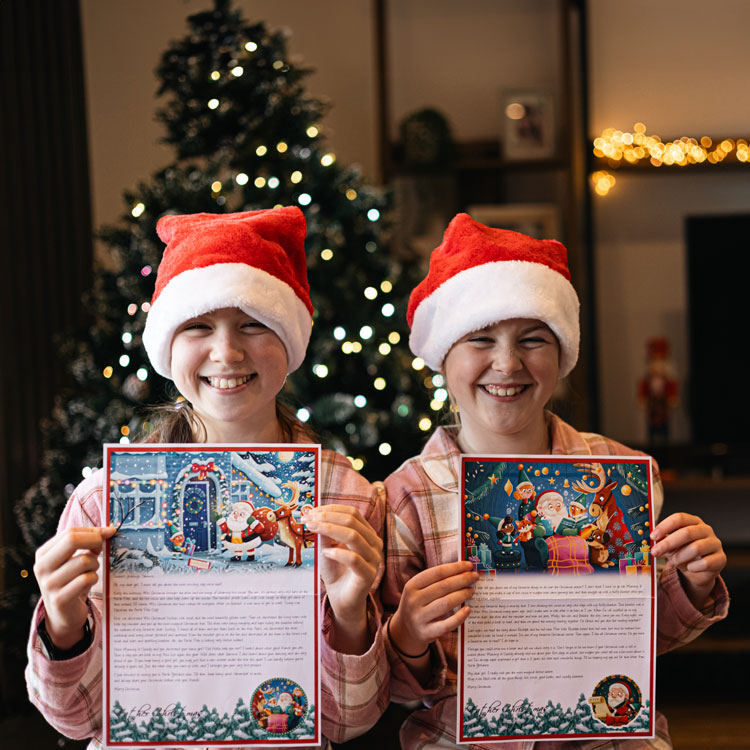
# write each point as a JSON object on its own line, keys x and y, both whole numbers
{"x": 239, "y": 540}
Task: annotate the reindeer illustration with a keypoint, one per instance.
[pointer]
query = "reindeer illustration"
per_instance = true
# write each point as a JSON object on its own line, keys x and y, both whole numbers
{"x": 604, "y": 501}
{"x": 291, "y": 533}
{"x": 605, "y": 510}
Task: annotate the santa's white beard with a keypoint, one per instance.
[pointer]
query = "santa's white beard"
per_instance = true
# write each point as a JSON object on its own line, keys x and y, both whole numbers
{"x": 237, "y": 524}
{"x": 615, "y": 702}
{"x": 555, "y": 519}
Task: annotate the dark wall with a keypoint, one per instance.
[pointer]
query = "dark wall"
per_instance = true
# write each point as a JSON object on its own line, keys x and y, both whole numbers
{"x": 46, "y": 251}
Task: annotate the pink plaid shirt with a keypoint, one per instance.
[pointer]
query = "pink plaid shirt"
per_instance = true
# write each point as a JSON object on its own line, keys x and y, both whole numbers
{"x": 422, "y": 531}
{"x": 355, "y": 689}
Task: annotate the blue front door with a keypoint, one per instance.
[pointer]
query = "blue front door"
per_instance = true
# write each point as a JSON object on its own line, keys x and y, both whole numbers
{"x": 196, "y": 513}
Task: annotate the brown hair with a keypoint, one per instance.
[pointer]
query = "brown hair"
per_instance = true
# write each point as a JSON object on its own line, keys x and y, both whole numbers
{"x": 178, "y": 422}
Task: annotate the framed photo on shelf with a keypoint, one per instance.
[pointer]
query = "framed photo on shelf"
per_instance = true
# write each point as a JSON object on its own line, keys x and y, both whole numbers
{"x": 527, "y": 124}
{"x": 539, "y": 220}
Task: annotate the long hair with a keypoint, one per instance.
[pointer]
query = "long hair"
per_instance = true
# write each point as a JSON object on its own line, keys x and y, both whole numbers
{"x": 178, "y": 422}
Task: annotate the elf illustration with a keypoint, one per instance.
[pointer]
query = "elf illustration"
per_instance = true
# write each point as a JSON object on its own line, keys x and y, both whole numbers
{"x": 508, "y": 556}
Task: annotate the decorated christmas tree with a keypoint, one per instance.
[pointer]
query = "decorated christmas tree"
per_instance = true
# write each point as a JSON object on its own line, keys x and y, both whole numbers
{"x": 246, "y": 135}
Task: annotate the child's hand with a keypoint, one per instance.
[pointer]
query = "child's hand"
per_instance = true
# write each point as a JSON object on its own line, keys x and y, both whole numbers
{"x": 692, "y": 547}
{"x": 425, "y": 611}
{"x": 351, "y": 555}
{"x": 65, "y": 569}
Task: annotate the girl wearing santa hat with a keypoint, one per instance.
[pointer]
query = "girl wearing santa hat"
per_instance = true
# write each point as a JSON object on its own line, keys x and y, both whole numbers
{"x": 230, "y": 318}
{"x": 497, "y": 315}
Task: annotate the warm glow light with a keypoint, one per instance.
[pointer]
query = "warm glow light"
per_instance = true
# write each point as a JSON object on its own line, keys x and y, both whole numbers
{"x": 216, "y": 186}
{"x": 326, "y": 254}
{"x": 213, "y": 103}
{"x": 261, "y": 151}
{"x": 242, "y": 179}
{"x": 417, "y": 363}
{"x": 371, "y": 292}
{"x": 327, "y": 159}
{"x": 394, "y": 337}
{"x": 237, "y": 71}
{"x": 384, "y": 348}
{"x": 137, "y": 210}
{"x": 281, "y": 147}
{"x": 379, "y": 384}
{"x": 617, "y": 147}
{"x": 312, "y": 131}
{"x": 425, "y": 423}
{"x": 251, "y": 46}
{"x": 351, "y": 194}
{"x": 295, "y": 176}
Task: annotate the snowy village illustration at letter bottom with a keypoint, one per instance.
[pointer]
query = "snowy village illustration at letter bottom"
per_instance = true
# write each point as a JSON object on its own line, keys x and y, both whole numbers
{"x": 556, "y": 515}
{"x": 184, "y": 509}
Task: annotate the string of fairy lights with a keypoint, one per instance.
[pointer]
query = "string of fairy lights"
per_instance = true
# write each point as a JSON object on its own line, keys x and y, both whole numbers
{"x": 350, "y": 343}
{"x": 620, "y": 148}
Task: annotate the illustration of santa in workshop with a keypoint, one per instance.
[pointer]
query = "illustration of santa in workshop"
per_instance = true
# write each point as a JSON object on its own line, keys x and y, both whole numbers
{"x": 241, "y": 531}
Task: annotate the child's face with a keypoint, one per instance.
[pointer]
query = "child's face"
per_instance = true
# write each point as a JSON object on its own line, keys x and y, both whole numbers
{"x": 231, "y": 368}
{"x": 502, "y": 377}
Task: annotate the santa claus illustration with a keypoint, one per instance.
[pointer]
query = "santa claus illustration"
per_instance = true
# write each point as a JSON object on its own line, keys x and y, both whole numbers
{"x": 553, "y": 514}
{"x": 241, "y": 531}
{"x": 620, "y": 705}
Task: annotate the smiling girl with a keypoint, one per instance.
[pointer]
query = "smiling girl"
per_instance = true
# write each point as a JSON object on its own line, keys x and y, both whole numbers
{"x": 230, "y": 318}
{"x": 498, "y": 317}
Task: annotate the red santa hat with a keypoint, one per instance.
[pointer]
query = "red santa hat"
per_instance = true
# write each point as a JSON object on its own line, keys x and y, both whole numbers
{"x": 253, "y": 260}
{"x": 481, "y": 275}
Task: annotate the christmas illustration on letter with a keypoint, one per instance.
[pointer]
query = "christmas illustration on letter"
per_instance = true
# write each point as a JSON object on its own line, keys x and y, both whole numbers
{"x": 212, "y": 537}
{"x": 560, "y": 640}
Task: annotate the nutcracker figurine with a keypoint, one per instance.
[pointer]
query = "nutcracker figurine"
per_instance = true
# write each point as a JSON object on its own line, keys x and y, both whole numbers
{"x": 657, "y": 390}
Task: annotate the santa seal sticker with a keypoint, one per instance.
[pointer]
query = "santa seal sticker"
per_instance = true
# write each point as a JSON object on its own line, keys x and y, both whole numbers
{"x": 212, "y": 570}
{"x": 560, "y": 641}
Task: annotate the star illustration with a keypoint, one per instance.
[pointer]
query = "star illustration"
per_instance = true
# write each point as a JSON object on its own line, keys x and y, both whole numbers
{"x": 493, "y": 479}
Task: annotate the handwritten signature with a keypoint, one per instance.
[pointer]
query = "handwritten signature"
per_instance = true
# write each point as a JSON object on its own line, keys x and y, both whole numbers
{"x": 146, "y": 710}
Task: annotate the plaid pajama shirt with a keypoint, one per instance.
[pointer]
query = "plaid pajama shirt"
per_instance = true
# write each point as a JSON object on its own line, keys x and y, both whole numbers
{"x": 355, "y": 689}
{"x": 422, "y": 530}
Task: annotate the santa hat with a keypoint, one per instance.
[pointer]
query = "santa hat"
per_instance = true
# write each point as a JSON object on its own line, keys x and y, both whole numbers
{"x": 481, "y": 275}
{"x": 253, "y": 260}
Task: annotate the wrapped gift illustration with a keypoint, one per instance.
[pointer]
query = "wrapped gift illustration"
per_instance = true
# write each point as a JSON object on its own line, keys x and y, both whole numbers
{"x": 485, "y": 555}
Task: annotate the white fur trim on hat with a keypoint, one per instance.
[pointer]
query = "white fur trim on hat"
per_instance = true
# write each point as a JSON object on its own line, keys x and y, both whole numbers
{"x": 483, "y": 295}
{"x": 201, "y": 290}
